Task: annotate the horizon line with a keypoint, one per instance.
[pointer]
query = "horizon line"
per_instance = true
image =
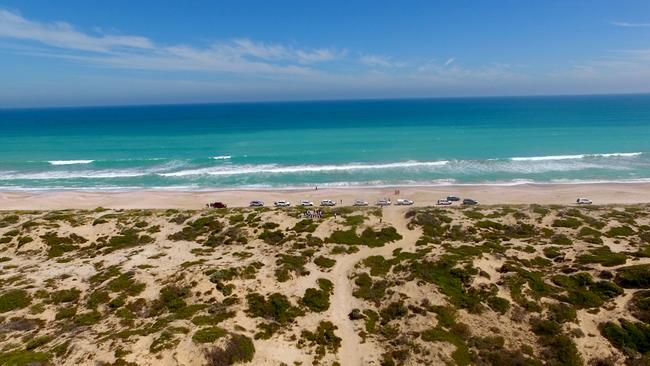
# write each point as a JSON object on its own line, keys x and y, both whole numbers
{"x": 323, "y": 100}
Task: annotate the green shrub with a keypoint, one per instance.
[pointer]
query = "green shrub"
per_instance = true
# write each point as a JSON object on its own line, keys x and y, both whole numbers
{"x": 13, "y": 300}
{"x": 368, "y": 237}
{"x": 561, "y": 239}
{"x": 604, "y": 256}
{"x": 640, "y": 305}
{"x": 392, "y": 311}
{"x": 37, "y": 342}
{"x": 552, "y": 252}
{"x": 238, "y": 349}
{"x": 368, "y": 289}
{"x": 272, "y": 237}
{"x": 24, "y": 358}
{"x": 166, "y": 340}
{"x": 637, "y": 276}
{"x": 66, "y": 313}
{"x": 88, "y": 318}
{"x": 324, "y": 262}
{"x": 173, "y": 297}
{"x": 126, "y": 284}
{"x": 277, "y": 307}
{"x": 460, "y": 355}
{"x": 316, "y": 300}
{"x": 60, "y": 245}
{"x": 69, "y": 295}
{"x": 569, "y": 222}
{"x": 561, "y": 313}
{"x": 324, "y": 338}
{"x": 620, "y": 231}
{"x": 126, "y": 239}
{"x": 208, "y": 335}
{"x": 498, "y": 304}
{"x": 628, "y": 335}
{"x": 305, "y": 226}
{"x": 378, "y": 265}
{"x": 355, "y": 220}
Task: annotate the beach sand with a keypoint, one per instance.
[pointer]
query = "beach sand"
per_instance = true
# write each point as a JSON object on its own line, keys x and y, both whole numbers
{"x": 562, "y": 194}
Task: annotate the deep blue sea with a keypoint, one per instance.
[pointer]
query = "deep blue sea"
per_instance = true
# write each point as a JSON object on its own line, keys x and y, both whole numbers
{"x": 509, "y": 140}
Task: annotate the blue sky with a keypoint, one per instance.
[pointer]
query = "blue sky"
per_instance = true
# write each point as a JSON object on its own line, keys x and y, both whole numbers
{"x": 79, "y": 52}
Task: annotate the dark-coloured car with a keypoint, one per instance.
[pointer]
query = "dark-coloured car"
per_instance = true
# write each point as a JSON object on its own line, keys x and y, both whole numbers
{"x": 256, "y": 204}
{"x": 469, "y": 202}
{"x": 453, "y": 198}
{"x": 217, "y": 205}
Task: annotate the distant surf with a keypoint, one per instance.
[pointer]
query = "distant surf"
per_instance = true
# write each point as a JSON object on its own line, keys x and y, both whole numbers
{"x": 69, "y": 162}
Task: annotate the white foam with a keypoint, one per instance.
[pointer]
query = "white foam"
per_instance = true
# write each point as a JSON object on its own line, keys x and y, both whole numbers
{"x": 272, "y": 168}
{"x": 577, "y": 156}
{"x": 69, "y": 162}
{"x": 222, "y": 157}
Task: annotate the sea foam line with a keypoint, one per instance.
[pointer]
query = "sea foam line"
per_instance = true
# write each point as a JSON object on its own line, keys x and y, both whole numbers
{"x": 69, "y": 162}
{"x": 222, "y": 157}
{"x": 577, "y": 156}
{"x": 270, "y": 168}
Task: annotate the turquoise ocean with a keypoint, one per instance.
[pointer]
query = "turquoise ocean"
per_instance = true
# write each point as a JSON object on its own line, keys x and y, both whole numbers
{"x": 508, "y": 140}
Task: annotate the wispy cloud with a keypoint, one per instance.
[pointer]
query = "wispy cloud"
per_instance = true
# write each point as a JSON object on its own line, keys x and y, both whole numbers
{"x": 64, "y": 35}
{"x": 630, "y": 25}
{"x": 62, "y": 40}
{"x": 379, "y": 61}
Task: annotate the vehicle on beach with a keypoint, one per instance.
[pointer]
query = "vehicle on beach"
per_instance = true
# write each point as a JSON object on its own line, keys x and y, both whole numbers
{"x": 306, "y": 203}
{"x": 327, "y": 203}
{"x": 360, "y": 203}
{"x": 584, "y": 201}
{"x": 282, "y": 203}
{"x": 383, "y": 202}
{"x": 217, "y": 204}
{"x": 443, "y": 202}
{"x": 256, "y": 204}
{"x": 453, "y": 198}
{"x": 404, "y": 202}
{"x": 469, "y": 202}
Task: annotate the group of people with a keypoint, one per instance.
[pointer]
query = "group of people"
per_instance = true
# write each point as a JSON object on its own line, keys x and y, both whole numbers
{"x": 313, "y": 214}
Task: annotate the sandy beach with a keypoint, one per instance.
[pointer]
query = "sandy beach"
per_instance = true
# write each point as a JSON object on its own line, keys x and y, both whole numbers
{"x": 562, "y": 194}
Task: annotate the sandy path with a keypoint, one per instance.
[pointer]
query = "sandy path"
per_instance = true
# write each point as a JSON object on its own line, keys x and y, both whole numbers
{"x": 352, "y": 351}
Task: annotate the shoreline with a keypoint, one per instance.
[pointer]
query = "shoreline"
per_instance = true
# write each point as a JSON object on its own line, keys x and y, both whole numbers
{"x": 561, "y": 194}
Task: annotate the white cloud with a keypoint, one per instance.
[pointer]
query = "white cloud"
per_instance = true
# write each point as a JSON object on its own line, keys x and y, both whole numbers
{"x": 63, "y": 35}
{"x": 450, "y": 61}
{"x": 379, "y": 61}
{"x": 62, "y": 40}
{"x": 630, "y": 25}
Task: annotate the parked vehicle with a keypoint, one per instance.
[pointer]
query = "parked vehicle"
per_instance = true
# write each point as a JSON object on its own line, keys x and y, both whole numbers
{"x": 453, "y": 198}
{"x": 217, "y": 205}
{"x": 281, "y": 203}
{"x": 383, "y": 202}
{"x": 327, "y": 203}
{"x": 583, "y": 201}
{"x": 469, "y": 202}
{"x": 256, "y": 204}
{"x": 360, "y": 203}
{"x": 404, "y": 202}
{"x": 443, "y": 202}
{"x": 306, "y": 203}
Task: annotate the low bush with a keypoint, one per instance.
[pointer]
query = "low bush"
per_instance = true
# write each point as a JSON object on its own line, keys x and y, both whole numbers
{"x": 324, "y": 262}
{"x": 637, "y": 276}
{"x": 238, "y": 349}
{"x": 14, "y": 300}
{"x": 208, "y": 335}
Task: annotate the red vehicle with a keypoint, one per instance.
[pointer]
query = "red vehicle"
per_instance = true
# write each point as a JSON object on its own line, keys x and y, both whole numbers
{"x": 217, "y": 205}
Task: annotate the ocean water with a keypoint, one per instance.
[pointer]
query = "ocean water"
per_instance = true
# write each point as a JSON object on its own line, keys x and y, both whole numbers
{"x": 509, "y": 140}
